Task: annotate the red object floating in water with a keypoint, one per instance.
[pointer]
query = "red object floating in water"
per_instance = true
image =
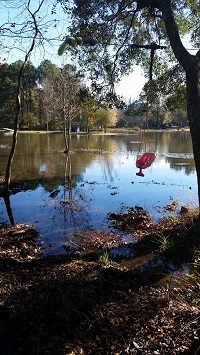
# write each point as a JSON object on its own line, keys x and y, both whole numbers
{"x": 145, "y": 162}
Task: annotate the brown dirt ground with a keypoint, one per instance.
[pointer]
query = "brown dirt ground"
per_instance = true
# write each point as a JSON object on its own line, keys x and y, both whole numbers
{"x": 75, "y": 304}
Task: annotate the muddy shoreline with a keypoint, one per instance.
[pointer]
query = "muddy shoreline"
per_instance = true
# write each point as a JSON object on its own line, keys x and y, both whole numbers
{"x": 83, "y": 304}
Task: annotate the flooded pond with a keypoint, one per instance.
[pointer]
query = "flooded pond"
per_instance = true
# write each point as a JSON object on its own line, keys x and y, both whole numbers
{"x": 66, "y": 195}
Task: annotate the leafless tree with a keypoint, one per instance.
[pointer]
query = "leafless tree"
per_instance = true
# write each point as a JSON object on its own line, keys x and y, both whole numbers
{"x": 18, "y": 103}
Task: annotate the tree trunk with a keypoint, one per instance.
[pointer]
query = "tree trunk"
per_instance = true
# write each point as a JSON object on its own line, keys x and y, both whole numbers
{"x": 193, "y": 109}
{"x": 18, "y": 104}
{"x": 14, "y": 139}
{"x": 67, "y": 133}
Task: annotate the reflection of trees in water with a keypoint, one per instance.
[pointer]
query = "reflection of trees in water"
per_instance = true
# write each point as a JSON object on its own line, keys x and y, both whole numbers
{"x": 169, "y": 142}
{"x": 40, "y": 155}
{"x": 175, "y": 143}
{"x": 9, "y": 209}
{"x": 69, "y": 212}
{"x": 188, "y": 169}
{"x": 99, "y": 143}
{"x": 185, "y": 165}
{"x": 100, "y": 149}
{"x": 108, "y": 163}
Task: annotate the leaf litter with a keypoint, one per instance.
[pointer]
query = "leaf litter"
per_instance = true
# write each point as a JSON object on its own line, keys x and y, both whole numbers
{"x": 68, "y": 304}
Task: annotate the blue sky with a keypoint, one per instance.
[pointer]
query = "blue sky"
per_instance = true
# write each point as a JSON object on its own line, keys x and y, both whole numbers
{"x": 53, "y": 31}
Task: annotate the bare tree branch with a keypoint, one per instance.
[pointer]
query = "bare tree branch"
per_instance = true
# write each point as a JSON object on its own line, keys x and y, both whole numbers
{"x": 18, "y": 103}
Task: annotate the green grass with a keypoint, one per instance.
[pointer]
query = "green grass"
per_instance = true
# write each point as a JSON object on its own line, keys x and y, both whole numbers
{"x": 164, "y": 242}
{"x": 104, "y": 257}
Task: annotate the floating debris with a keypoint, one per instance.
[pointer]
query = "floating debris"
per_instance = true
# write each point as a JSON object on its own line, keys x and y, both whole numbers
{"x": 172, "y": 206}
{"x": 179, "y": 155}
{"x": 135, "y": 221}
{"x": 54, "y": 193}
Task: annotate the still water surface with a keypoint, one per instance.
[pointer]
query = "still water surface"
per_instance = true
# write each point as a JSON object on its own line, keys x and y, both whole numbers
{"x": 67, "y": 195}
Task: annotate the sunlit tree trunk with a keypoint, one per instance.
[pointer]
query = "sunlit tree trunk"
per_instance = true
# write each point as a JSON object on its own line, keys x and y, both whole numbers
{"x": 193, "y": 109}
{"x": 14, "y": 138}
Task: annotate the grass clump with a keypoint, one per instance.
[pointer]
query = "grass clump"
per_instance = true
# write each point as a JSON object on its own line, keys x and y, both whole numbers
{"x": 164, "y": 242}
{"x": 104, "y": 257}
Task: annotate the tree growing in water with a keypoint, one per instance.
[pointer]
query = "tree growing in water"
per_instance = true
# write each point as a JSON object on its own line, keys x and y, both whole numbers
{"x": 60, "y": 100}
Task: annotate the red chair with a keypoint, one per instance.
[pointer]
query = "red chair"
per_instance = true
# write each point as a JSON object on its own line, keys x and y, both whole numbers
{"x": 144, "y": 162}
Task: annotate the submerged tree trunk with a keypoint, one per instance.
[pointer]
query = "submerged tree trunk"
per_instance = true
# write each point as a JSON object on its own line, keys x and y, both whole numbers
{"x": 67, "y": 135}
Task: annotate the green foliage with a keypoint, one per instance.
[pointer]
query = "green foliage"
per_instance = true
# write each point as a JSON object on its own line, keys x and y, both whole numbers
{"x": 8, "y": 78}
{"x": 8, "y": 81}
{"x": 105, "y": 117}
{"x": 104, "y": 257}
{"x": 47, "y": 69}
{"x": 42, "y": 105}
{"x": 119, "y": 26}
{"x": 164, "y": 242}
{"x": 165, "y": 98}
{"x": 177, "y": 99}
{"x": 134, "y": 108}
{"x": 29, "y": 121}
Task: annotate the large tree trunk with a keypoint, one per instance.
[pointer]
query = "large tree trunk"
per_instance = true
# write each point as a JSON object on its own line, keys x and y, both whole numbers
{"x": 193, "y": 109}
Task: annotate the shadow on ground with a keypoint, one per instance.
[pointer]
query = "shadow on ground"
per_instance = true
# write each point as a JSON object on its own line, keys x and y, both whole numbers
{"x": 70, "y": 304}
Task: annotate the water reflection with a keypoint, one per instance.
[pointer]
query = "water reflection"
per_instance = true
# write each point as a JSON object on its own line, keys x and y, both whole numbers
{"x": 6, "y": 199}
{"x": 70, "y": 206}
{"x": 97, "y": 178}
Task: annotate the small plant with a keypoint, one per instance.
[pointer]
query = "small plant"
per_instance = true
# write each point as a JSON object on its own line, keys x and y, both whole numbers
{"x": 104, "y": 257}
{"x": 163, "y": 242}
{"x": 171, "y": 218}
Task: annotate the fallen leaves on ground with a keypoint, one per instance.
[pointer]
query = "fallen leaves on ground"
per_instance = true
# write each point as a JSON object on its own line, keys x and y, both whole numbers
{"x": 60, "y": 305}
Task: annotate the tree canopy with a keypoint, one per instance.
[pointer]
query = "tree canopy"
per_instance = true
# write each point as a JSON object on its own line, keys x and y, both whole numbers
{"x": 119, "y": 26}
